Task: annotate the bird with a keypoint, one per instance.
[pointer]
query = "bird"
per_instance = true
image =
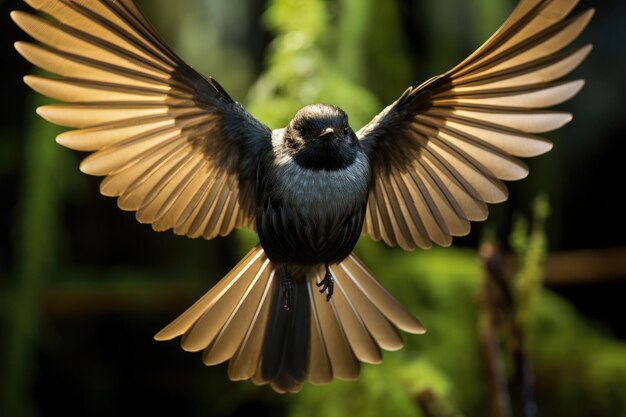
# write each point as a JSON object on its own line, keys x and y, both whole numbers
{"x": 178, "y": 150}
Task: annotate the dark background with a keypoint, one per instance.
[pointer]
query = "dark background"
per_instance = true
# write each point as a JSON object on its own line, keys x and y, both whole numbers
{"x": 83, "y": 286}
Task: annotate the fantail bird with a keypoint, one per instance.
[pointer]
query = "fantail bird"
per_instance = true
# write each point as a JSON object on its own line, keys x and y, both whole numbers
{"x": 178, "y": 150}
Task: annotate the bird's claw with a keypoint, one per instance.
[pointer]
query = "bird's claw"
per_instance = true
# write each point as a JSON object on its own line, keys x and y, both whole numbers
{"x": 327, "y": 285}
{"x": 286, "y": 294}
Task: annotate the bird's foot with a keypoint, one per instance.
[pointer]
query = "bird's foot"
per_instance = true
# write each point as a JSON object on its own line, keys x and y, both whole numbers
{"x": 327, "y": 284}
{"x": 286, "y": 293}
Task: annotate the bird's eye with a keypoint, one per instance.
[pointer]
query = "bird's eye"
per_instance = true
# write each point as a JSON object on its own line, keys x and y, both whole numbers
{"x": 346, "y": 130}
{"x": 303, "y": 131}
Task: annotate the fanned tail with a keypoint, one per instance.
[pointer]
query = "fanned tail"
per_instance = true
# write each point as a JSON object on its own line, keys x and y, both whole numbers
{"x": 242, "y": 319}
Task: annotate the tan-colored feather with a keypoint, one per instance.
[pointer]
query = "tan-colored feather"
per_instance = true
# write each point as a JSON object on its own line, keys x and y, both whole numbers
{"x": 344, "y": 364}
{"x": 203, "y": 198}
{"x": 396, "y": 217}
{"x": 414, "y": 220}
{"x": 223, "y": 207}
{"x": 83, "y": 116}
{"x": 212, "y": 207}
{"x": 231, "y": 335}
{"x": 480, "y": 183}
{"x": 509, "y": 142}
{"x": 198, "y": 192}
{"x": 542, "y": 70}
{"x": 372, "y": 224}
{"x": 152, "y": 168}
{"x": 168, "y": 203}
{"x": 83, "y": 44}
{"x": 423, "y": 209}
{"x": 206, "y": 328}
{"x": 79, "y": 91}
{"x": 92, "y": 139}
{"x": 529, "y": 18}
{"x": 458, "y": 192}
{"x": 420, "y": 223}
{"x": 495, "y": 163}
{"x": 74, "y": 66}
{"x": 245, "y": 363}
{"x": 125, "y": 153}
{"x": 384, "y": 333}
{"x": 557, "y": 40}
{"x": 253, "y": 259}
{"x": 439, "y": 201}
{"x": 361, "y": 342}
{"x": 228, "y": 217}
{"x": 527, "y": 98}
{"x": 380, "y": 210}
{"x": 380, "y": 297}
{"x": 152, "y": 199}
{"x": 320, "y": 369}
{"x": 95, "y": 18}
{"x": 528, "y": 121}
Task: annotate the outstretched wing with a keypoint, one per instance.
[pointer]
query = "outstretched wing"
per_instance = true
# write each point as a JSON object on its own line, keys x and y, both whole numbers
{"x": 439, "y": 152}
{"x": 173, "y": 145}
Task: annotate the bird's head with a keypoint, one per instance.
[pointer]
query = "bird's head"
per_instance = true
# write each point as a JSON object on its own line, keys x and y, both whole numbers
{"x": 319, "y": 137}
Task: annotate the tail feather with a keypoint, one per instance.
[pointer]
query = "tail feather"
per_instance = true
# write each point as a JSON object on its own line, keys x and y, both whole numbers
{"x": 216, "y": 317}
{"x": 320, "y": 368}
{"x": 234, "y": 330}
{"x": 242, "y": 319}
{"x": 244, "y": 364}
{"x": 382, "y": 330}
{"x": 286, "y": 346}
{"x": 391, "y": 308}
{"x": 200, "y": 307}
{"x": 361, "y": 341}
{"x": 343, "y": 363}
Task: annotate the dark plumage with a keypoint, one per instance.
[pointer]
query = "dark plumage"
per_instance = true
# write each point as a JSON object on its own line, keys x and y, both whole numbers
{"x": 294, "y": 229}
{"x": 178, "y": 150}
{"x": 320, "y": 138}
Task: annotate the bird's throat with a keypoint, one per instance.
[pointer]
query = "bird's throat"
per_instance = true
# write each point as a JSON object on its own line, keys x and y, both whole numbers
{"x": 328, "y": 155}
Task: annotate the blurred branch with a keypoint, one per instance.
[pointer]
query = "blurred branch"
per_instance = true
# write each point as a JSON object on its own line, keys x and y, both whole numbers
{"x": 489, "y": 312}
{"x": 354, "y": 20}
{"x": 118, "y": 292}
{"x": 499, "y": 309}
{"x": 586, "y": 266}
{"x": 505, "y": 303}
{"x": 35, "y": 248}
{"x": 432, "y": 406}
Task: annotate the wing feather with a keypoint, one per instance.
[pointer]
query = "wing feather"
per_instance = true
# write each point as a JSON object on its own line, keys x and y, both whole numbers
{"x": 157, "y": 128}
{"x": 441, "y": 151}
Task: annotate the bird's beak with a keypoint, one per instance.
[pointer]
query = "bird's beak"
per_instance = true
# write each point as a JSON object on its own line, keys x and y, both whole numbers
{"x": 328, "y": 132}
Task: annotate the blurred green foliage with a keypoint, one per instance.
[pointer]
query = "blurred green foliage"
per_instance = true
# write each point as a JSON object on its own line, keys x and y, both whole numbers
{"x": 352, "y": 53}
{"x": 302, "y": 66}
{"x": 530, "y": 246}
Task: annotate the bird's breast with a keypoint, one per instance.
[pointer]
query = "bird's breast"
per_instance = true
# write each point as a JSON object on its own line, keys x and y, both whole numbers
{"x": 312, "y": 216}
{"x": 321, "y": 194}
